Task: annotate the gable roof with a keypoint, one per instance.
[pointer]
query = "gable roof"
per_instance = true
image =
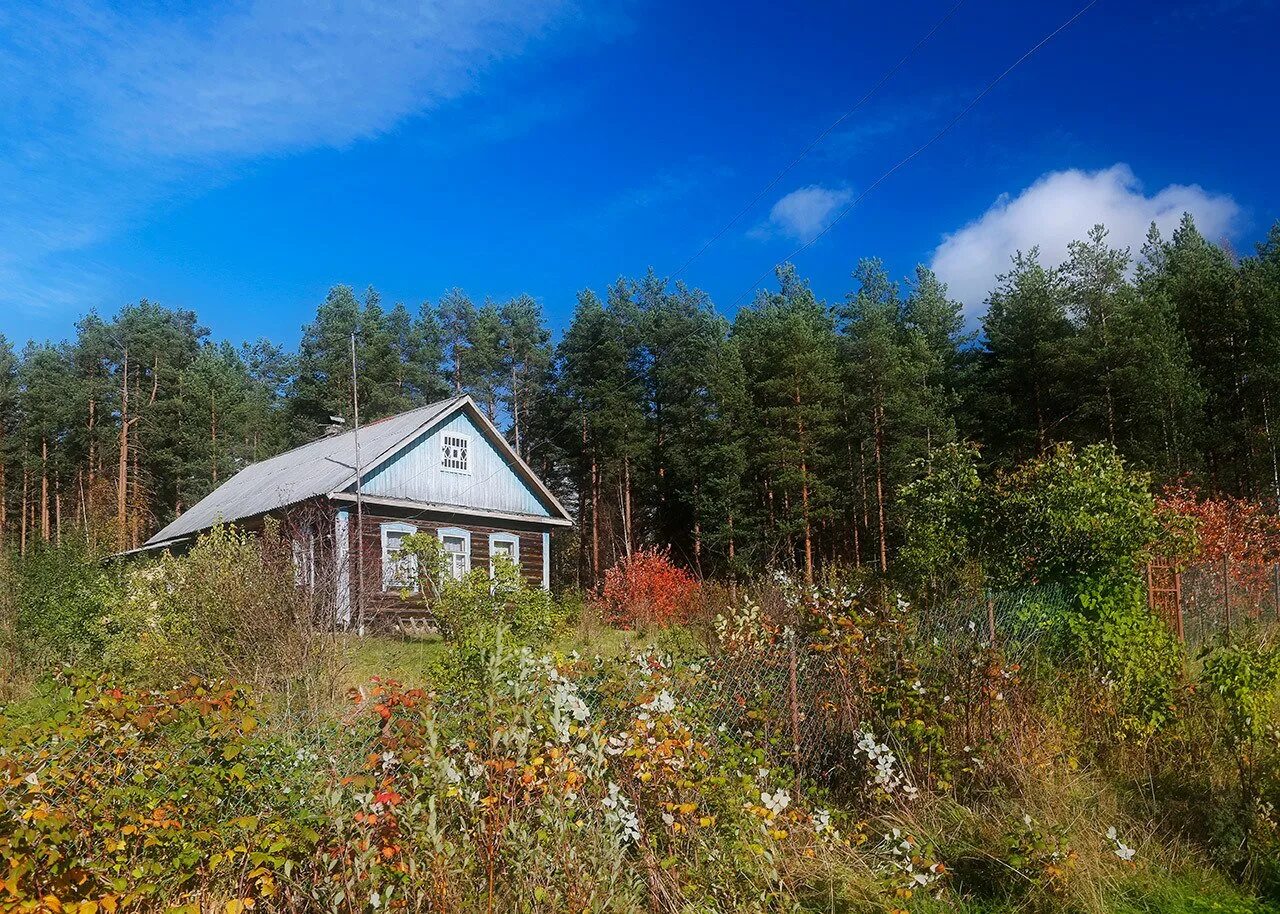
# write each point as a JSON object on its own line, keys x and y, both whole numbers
{"x": 327, "y": 466}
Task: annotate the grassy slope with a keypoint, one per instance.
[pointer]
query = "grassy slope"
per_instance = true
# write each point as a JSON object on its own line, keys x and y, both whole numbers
{"x": 410, "y": 660}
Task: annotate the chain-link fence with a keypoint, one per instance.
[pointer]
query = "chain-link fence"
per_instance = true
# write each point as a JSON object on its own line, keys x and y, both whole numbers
{"x": 1203, "y": 602}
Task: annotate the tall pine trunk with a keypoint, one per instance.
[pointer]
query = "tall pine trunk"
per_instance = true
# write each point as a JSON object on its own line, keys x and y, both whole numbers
{"x": 44, "y": 489}
{"x": 22, "y": 536}
{"x": 626, "y": 504}
{"x": 733, "y": 572}
{"x": 595, "y": 519}
{"x": 878, "y": 419}
{"x": 122, "y": 475}
{"x": 804, "y": 491}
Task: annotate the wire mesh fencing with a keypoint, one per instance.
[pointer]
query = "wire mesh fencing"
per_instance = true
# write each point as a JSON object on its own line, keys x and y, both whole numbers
{"x": 1209, "y": 600}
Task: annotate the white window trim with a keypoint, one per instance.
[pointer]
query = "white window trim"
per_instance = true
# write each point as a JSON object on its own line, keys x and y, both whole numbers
{"x": 464, "y": 535}
{"x": 388, "y": 562}
{"x": 461, "y": 436}
{"x": 505, "y": 538}
{"x": 304, "y": 560}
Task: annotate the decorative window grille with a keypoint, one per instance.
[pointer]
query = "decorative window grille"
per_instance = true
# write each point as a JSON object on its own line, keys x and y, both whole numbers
{"x": 456, "y": 453}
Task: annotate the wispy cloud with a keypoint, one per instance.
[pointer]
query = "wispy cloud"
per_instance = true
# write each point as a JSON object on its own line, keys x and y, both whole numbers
{"x": 803, "y": 213}
{"x": 1061, "y": 207}
{"x": 107, "y": 110}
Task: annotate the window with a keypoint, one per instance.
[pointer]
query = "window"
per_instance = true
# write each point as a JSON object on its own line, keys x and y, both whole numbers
{"x": 506, "y": 545}
{"x": 304, "y": 559}
{"x": 399, "y": 572}
{"x": 456, "y": 453}
{"x": 457, "y": 551}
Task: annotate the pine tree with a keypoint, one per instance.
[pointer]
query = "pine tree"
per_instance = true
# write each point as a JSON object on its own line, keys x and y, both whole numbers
{"x": 525, "y": 344}
{"x": 1201, "y": 282}
{"x": 788, "y": 347}
{"x": 1026, "y": 402}
{"x": 9, "y": 419}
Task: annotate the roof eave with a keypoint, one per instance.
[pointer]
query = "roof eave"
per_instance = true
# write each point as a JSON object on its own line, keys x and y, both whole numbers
{"x": 442, "y": 508}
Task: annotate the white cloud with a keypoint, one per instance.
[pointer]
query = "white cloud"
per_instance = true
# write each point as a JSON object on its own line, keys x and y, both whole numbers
{"x": 108, "y": 110}
{"x": 1061, "y": 207}
{"x": 803, "y": 213}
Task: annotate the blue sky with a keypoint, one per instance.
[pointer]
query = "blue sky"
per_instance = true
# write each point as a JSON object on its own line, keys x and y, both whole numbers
{"x": 239, "y": 158}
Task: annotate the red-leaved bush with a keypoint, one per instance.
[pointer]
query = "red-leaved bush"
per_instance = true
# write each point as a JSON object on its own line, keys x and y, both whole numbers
{"x": 1231, "y": 531}
{"x": 648, "y": 589}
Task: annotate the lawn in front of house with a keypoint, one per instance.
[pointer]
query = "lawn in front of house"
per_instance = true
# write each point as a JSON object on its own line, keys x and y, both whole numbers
{"x": 410, "y": 659}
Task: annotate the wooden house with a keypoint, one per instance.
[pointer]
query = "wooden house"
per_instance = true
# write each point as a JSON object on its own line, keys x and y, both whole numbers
{"x": 443, "y": 468}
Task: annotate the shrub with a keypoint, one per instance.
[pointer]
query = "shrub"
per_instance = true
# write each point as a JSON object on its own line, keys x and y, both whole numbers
{"x": 648, "y": 589}
{"x": 473, "y": 610}
{"x": 142, "y": 800}
{"x": 1130, "y": 652}
{"x": 230, "y": 608}
{"x": 941, "y": 515}
{"x": 1243, "y": 680}
{"x": 1071, "y": 517}
{"x": 54, "y": 599}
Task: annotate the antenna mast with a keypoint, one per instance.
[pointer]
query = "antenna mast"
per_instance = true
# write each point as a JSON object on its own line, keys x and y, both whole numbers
{"x": 355, "y": 412}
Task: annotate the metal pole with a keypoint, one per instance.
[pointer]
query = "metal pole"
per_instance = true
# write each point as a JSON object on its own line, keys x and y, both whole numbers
{"x": 355, "y": 412}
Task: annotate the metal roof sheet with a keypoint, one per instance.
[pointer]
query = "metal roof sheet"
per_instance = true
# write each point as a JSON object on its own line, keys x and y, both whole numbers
{"x": 304, "y": 472}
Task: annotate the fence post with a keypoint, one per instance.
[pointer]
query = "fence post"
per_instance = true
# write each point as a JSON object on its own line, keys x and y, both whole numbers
{"x": 1177, "y": 601}
{"x": 793, "y": 688}
{"x": 1275, "y": 587}
{"x": 1226, "y": 591}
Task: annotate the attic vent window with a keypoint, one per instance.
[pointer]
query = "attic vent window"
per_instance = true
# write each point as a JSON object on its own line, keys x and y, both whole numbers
{"x": 457, "y": 453}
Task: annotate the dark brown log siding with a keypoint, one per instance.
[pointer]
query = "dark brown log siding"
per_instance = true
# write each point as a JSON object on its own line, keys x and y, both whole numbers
{"x": 382, "y": 603}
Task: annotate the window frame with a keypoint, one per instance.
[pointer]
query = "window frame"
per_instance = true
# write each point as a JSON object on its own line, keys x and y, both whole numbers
{"x": 466, "y": 441}
{"x": 388, "y": 563}
{"x": 501, "y": 537}
{"x": 303, "y": 552}
{"x": 465, "y": 536}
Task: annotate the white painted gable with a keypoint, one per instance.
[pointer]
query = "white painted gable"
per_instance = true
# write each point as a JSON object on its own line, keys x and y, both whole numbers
{"x": 489, "y": 482}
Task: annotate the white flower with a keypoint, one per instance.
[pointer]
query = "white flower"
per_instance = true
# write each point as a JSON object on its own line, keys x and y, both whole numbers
{"x": 1121, "y": 850}
{"x": 662, "y": 703}
{"x": 450, "y": 771}
{"x": 621, "y": 816}
{"x": 777, "y": 801}
{"x": 821, "y": 821}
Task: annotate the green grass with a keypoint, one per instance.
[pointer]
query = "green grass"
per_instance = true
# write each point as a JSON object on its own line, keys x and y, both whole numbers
{"x": 410, "y": 660}
{"x": 1153, "y": 892}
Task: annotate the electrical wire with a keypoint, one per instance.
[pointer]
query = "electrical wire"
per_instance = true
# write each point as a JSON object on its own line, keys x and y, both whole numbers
{"x": 919, "y": 149}
{"x": 820, "y": 137}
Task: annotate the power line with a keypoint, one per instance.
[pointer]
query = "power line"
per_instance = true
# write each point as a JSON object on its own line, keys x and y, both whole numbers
{"x": 921, "y": 148}
{"x": 820, "y": 137}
